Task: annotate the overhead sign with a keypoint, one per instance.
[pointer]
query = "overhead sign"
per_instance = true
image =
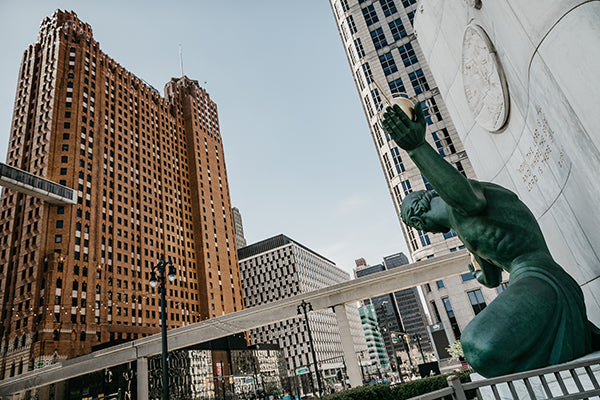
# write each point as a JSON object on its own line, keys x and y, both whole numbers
{"x": 302, "y": 370}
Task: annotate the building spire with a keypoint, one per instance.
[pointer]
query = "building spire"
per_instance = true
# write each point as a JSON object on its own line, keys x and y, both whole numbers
{"x": 181, "y": 59}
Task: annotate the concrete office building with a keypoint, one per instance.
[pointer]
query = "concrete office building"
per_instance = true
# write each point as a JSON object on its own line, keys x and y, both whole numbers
{"x": 240, "y": 240}
{"x": 151, "y": 182}
{"x": 375, "y": 358}
{"x": 280, "y": 267}
{"x": 385, "y": 59}
{"x": 532, "y": 124}
{"x": 398, "y": 313}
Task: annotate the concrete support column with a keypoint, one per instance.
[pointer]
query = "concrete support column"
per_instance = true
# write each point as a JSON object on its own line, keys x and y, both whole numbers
{"x": 350, "y": 358}
{"x": 142, "y": 378}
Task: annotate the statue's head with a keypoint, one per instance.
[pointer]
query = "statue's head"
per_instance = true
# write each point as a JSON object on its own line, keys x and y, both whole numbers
{"x": 414, "y": 209}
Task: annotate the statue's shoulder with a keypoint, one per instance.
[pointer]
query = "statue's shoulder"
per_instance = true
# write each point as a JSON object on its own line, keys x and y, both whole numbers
{"x": 494, "y": 187}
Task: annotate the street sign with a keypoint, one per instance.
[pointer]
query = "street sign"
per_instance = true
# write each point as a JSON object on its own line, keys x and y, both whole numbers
{"x": 302, "y": 370}
{"x": 249, "y": 380}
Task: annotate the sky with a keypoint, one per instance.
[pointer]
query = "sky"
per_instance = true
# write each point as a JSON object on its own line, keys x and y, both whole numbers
{"x": 300, "y": 158}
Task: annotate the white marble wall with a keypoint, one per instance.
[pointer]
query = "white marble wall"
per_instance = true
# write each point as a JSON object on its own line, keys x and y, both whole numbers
{"x": 549, "y": 151}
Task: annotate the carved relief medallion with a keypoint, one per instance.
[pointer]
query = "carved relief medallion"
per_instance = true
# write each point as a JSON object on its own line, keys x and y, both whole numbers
{"x": 483, "y": 80}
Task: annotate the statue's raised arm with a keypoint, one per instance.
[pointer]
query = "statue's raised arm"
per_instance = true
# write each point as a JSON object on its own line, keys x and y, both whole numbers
{"x": 463, "y": 195}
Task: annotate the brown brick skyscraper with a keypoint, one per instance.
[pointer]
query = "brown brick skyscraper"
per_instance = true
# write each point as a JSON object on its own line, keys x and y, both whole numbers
{"x": 150, "y": 177}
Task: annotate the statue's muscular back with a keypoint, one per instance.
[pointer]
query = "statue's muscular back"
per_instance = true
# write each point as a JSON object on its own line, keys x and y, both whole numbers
{"x": 504, "y": 230}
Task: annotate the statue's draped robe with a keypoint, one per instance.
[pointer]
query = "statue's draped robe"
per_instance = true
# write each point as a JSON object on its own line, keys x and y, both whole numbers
{"x": 539, "y": 320}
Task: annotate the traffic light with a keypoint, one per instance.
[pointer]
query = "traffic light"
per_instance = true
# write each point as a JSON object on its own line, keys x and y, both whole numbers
{"x": 394, "y": 338}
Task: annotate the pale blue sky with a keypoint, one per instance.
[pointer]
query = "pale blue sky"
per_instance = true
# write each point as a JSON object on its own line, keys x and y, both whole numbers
{"x": 300, "y": 158}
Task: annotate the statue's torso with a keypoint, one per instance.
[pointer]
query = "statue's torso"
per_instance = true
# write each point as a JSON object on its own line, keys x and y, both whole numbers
{"x": 503, "y": 231}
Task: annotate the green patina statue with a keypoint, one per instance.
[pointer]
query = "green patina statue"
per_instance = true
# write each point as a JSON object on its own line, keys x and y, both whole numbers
{"x": 540, "y": 319}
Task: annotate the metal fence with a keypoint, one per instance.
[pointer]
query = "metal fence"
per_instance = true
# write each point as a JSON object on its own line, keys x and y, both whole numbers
{"x": 574, "y": 380}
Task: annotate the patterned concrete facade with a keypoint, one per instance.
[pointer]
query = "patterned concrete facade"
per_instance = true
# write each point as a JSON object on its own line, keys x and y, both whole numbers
{"x": 278, "y": 268}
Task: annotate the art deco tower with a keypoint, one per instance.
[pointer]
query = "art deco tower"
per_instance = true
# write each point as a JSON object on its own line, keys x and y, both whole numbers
{"x": 150, "y": 180}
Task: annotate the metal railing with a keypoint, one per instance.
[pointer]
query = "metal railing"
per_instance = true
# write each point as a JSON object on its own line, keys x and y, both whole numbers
{"x": 573, "y": 380}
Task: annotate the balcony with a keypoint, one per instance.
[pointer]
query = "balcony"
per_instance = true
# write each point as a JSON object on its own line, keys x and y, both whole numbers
{"x": 33, "y": 185}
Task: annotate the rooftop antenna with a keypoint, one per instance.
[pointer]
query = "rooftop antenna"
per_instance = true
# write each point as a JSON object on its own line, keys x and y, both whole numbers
{"x": 181, "y": 60}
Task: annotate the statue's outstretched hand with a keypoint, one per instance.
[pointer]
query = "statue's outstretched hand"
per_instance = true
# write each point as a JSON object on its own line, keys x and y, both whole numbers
{"x": 406, "y": 133}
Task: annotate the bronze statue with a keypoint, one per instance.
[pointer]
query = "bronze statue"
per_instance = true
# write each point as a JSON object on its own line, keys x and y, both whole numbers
{"x": 540, "y": 319}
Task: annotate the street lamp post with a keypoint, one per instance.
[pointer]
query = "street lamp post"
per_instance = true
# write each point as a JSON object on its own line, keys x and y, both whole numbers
{"x": 171, "y": 274}
{"x": 304, "y": 307}
{"x": 389, "y": 332}
{"x": 417, "y": 337}
{"x": 362, "y": 371}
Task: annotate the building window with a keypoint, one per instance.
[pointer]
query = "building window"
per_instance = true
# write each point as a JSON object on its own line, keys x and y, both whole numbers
{"x": 388, "y": 7}
{"x": 396, "y": 86}
{"x": 388, "y": 165}
{"x": 440, "y": 284}
{"x": 431, "y": 111}
{"x": 502, "y": 287}
{"x": 460, "y": 168}
{"x": 388, "y": 64}
{"x": 426, "y": 182}
{"x": 406, "y": 187}
{"x": 418, "y": 81}
{"x": 449, "y": 234}
{"x": 378, "y": 37}
{"x": 477, "y": 301}
{"x": 451, "y": 317}
{"x": 467, "y": 277}
{"x": 397, "y": 29}
{"x": 351, "y": 24}
{"x": 424, "y": 238}
{"x": 368, "y": 73}
{"x": 369, "y": 107}
{"x": 397, "y": 160}
{"x": 376, "y": 98}
{"x": 408, "y": 55}
{"x": 63, "y": 171}
{"x": 58, "y": 239}
{"x": 443, "y": 142}
{"x": 359, "y": 48}
{"x": 370, "y": 15}
{"x": 408, "y": 3}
